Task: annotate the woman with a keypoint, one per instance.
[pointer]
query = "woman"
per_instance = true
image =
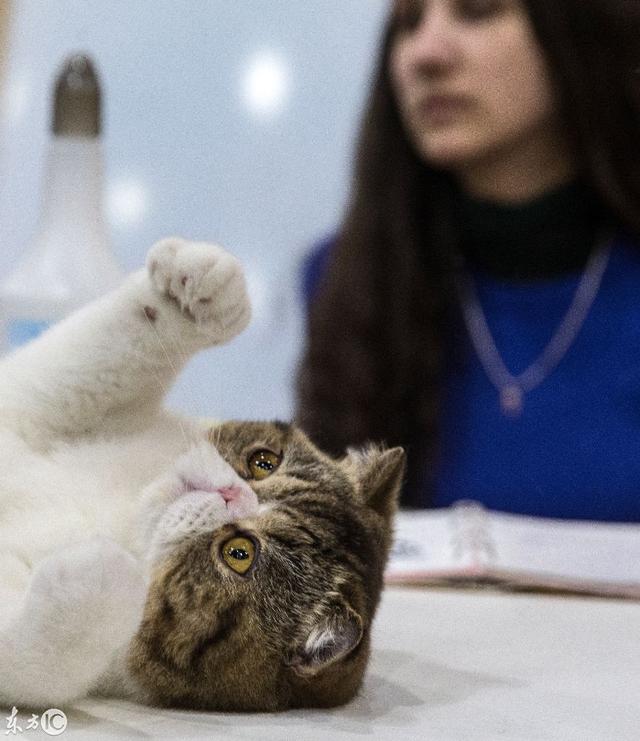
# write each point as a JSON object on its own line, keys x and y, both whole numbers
{"x": 481, "y": 303}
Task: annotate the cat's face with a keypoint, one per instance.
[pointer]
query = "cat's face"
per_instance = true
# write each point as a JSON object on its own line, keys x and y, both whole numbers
{"x": 269, "y": 606}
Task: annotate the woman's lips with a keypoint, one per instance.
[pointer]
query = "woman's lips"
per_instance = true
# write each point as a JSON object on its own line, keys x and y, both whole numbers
{"x": 442, "y": 108}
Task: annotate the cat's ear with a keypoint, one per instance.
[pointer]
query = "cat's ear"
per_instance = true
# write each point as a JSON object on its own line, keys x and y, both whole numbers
{"x": 378, "y": 473}
{"x": 329, "y": 637}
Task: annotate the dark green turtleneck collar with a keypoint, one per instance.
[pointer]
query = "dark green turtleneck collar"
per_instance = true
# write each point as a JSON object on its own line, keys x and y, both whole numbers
{"x": 548, "y": 236}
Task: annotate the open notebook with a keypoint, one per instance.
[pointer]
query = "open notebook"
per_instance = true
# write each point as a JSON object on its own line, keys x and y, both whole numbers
{"x": 470, "y": 544}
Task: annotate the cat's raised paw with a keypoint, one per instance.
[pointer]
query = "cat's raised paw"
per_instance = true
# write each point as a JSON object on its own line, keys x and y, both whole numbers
{"x": 205, "y": 282}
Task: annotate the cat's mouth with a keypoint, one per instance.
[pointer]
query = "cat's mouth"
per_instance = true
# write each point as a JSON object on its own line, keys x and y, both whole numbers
{"x": 234, "y": 496}
{"x": 228, "y": 493}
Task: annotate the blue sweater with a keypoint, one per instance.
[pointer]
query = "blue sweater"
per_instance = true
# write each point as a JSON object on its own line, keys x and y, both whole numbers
{"x": 574, "y": 452}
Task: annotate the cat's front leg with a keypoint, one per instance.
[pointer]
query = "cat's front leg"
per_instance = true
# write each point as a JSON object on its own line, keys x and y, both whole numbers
{"x": 109, "y": 365}
{"x": 83, "y": 605}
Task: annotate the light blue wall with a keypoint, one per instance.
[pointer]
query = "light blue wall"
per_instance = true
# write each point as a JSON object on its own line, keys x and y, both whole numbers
{"x": 183, "y": 141}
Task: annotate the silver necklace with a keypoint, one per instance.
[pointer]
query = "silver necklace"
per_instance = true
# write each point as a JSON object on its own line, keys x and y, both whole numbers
{"x": 513, "y": 388}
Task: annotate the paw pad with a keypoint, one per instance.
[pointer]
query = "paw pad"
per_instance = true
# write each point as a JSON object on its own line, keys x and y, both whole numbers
{"x": 205, "y": 282}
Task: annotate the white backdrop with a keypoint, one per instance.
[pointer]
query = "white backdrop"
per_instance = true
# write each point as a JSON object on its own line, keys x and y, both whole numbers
{"x": 228, "y": 120}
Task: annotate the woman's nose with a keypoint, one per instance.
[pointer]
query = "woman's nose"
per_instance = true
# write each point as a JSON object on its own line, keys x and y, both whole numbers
{"x": 435, "y": 39}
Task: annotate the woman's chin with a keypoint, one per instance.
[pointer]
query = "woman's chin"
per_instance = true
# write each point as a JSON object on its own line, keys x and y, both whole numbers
{"x": 448, "y": 153}
{"x": 452, "y": 147}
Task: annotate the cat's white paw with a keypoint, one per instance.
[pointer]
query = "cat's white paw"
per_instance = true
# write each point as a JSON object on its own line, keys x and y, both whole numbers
{"x": 84, "y": 604}
{"x": 206, "y": 283}
{"x": 97, "y": 578}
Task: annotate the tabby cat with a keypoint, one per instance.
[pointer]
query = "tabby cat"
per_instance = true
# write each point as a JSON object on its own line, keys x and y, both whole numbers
{"x": 160, "y": 559}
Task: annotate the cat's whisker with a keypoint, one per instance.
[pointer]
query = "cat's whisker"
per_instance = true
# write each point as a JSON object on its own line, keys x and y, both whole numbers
{"x": 218, "y": 434}
{"x": 163, "y": 386}
{"x": 184, "y": 355}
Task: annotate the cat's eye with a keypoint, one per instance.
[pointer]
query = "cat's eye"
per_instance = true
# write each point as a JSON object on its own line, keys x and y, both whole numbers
{"x": 263, "y": 463}
{"x": 239, "y": 553}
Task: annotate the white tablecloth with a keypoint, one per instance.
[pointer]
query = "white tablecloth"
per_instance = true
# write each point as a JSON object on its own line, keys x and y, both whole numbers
{"x": 454, "y": 665}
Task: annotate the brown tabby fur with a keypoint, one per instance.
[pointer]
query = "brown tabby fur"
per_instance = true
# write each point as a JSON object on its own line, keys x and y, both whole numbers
{"x": 213, "y": 639}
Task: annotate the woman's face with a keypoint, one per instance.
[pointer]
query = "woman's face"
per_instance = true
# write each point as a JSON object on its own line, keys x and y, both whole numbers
{"x": 470, "y": 80}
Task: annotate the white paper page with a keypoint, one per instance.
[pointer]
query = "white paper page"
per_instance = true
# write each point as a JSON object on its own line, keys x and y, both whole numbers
{"x": 594, "y": 551}
{"x": 430, "y": 543}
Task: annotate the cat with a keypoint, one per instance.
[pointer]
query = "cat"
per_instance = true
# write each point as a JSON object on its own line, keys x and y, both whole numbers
{"x": 165, "y": 560}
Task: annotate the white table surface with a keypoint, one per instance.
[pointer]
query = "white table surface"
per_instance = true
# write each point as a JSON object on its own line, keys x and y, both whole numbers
{"x": 455, "y": 665}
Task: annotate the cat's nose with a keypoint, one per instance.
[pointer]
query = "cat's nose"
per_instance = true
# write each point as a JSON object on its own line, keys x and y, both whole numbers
{"x": 230, "y": 493}
{"x": 241, "y": 501}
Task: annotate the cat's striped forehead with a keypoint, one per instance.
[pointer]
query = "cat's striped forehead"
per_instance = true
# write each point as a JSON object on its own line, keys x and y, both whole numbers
{"x": 301, "y": 467}
{"x": 236, "y": 441}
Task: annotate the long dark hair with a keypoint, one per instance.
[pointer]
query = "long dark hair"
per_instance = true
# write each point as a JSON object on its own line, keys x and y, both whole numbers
{"x": 381, "y": 320}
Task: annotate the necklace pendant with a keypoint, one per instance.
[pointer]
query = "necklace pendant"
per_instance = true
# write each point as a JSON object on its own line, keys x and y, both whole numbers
{"x": 511, "y": 400}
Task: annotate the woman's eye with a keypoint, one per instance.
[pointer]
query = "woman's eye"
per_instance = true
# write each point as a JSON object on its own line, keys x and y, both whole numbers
{"x": 476, "y": 10}
{"x": 239, "y": 554}
{"x": 263, "y": 463}
{"x": 407, "y": 14}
